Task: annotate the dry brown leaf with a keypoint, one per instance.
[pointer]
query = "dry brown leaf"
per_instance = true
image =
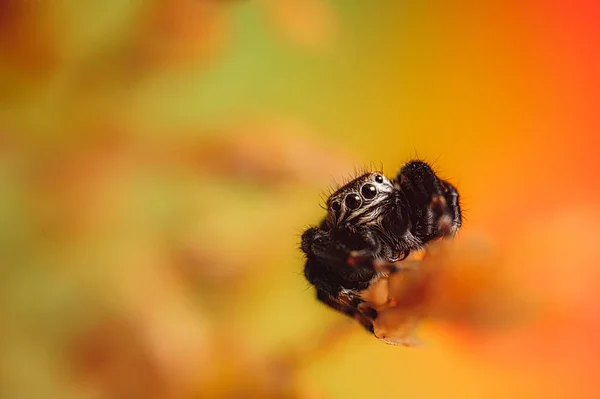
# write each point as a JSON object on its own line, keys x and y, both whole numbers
{"x": 461, "y": 284}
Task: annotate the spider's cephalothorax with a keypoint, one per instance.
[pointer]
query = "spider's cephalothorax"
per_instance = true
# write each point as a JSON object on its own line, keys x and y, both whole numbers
{"x": 374, "y": 219}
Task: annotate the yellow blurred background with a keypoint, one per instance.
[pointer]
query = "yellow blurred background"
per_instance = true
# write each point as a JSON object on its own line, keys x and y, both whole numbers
{"x": 160, "y": 159}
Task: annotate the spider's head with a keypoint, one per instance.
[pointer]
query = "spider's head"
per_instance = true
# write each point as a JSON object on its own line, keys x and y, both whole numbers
{"x": 359, "y": 201}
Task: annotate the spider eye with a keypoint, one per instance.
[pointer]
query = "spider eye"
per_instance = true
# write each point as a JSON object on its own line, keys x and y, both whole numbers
{"x": 368, "y": 191}
{"x": 353, "y": 201}
{"x": 336, "y": 206}
{"x": 379, "y": 178}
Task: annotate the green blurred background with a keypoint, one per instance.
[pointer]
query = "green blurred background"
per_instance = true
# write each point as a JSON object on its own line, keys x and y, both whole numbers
{"x": 160, "y": 159}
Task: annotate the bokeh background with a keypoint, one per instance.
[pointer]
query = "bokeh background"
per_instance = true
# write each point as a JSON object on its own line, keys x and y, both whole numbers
{"x": 160, "y": 159}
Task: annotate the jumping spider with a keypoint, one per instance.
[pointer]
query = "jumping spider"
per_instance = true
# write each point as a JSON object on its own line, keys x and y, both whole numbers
{"x": 373, "y": 220}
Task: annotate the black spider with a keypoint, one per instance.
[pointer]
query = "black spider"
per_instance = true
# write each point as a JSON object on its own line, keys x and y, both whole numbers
{"x": 374, "y": 219}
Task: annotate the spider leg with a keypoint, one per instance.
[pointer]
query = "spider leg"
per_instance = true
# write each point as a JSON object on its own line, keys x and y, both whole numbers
{"x": 335, "y": 256}
{"x": 434, "y": 203}
{"x": 396, "y": 267}
{"x": 319, "y": 243}
{"x": 337, "y": 280}
{"x": 453, "y": 201}
{"x": 348, "y": 309}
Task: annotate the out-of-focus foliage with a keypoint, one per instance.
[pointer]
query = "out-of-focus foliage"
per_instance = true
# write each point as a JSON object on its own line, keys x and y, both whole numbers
{"x": 159, "y": 160}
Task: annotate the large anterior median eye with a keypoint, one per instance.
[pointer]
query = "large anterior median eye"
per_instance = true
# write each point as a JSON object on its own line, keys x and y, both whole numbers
{"x": 368, "y": 191}
{"x": 353, "y": 201}
{"x": 336, "y": 206}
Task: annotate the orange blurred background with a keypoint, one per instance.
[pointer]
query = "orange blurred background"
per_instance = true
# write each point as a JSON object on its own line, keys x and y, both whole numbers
{"x": 160, "y": 159}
